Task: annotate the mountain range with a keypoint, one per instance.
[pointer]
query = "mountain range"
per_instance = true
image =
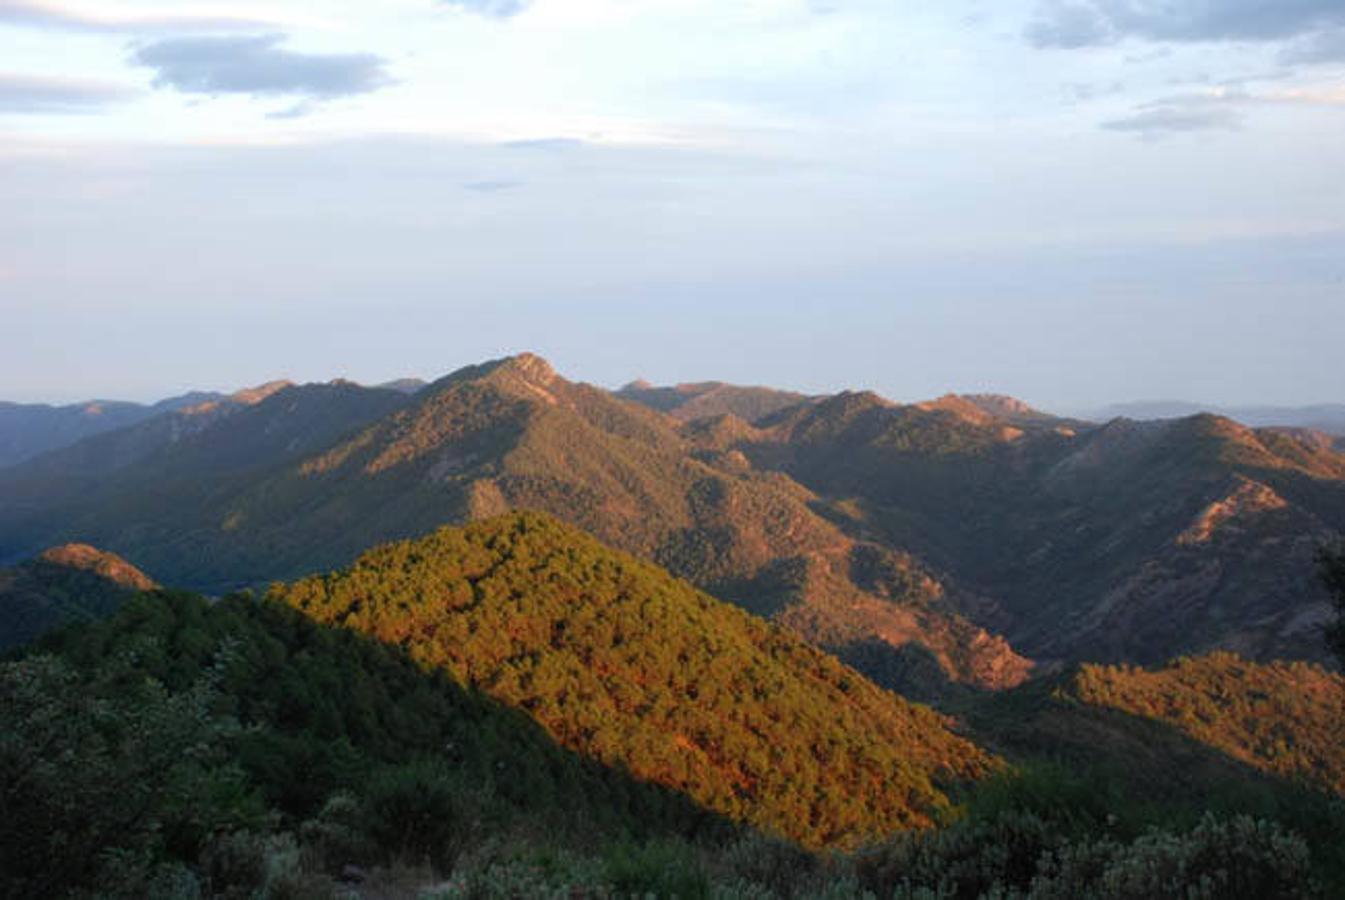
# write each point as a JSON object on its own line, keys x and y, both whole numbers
{"x": 963, "y": 542}
{"x": 548, "y": 639}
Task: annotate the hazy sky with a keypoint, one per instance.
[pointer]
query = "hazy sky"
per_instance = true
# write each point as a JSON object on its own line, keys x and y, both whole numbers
{"x": 1074, "y": 201}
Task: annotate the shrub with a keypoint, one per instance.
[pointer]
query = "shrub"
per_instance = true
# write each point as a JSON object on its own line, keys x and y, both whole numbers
{"x": 967, "y": 859}
{"x": 422, "y": 810}
{"x": 664, "y": 868}
{"x": 337, "y": 836}
{"x": 758, "y": 861}
{"x": 538, "y": 874}
{"x": 1242, "y": 857}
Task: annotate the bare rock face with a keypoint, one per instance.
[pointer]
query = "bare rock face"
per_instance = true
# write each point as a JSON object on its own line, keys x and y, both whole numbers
{"x": 1246, "y": 500}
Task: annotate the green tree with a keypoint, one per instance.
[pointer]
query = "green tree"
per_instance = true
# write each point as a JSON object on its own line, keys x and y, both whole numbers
{"x": 113, "y": 769}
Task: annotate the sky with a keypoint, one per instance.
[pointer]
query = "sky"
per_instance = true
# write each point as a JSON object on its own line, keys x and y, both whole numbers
{"x": 1077, "y": 202}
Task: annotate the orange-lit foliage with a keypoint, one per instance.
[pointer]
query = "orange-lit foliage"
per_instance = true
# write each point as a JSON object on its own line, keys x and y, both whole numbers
{"x": 621, "y": 661}
{"x": 1284, "y": 718}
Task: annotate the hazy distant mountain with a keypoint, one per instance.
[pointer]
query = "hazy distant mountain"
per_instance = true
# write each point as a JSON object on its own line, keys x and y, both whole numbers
{"x": 170, "y": 443}
{"x": 147, "y": 485}
{"x": 706, "y": 399}
{"x": 1325, "y": 417}
{"x": 29, "y": 429}
{"x": 404, "y": 385}
{"x": 65, "y": 584}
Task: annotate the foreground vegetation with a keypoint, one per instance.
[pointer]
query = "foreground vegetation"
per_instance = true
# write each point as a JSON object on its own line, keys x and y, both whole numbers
{"x": 511, "y": 709}
{"x": 133, "y": 765}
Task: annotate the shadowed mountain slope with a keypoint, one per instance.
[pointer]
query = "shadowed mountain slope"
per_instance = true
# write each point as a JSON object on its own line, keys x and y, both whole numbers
{"x": 620, "y": 661}
{"x": 154, "y": 487}
{"x": 199, "y": 732}
{"x": 1129, "y": 541}
{"x": 72, "y": 583}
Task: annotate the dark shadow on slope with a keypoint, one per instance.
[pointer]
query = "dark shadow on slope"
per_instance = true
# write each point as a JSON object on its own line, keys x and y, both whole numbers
{"x": 325, "y": 709}
{"x": 1144, "y": 771}
{"x": 910, "y": 670}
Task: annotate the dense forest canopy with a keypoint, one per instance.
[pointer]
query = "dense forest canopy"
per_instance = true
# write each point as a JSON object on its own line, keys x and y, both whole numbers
{"x": 618, "y": 660}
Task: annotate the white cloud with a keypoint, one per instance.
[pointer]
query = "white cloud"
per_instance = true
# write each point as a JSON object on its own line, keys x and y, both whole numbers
{"x": 111, "y": 17}
{"x": 38, "y": 94}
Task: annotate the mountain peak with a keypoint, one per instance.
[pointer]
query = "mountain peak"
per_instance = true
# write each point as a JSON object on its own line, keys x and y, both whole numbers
{"x": 531, "y": 367}
{"x": 962, "y": 407}
{"x": 1002, "y": 406}
{"x": 254, "y": 395}
{"x": 99, "y": 562}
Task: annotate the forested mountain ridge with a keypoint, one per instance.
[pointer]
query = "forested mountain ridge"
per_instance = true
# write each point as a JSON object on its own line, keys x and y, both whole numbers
{"x": 619, "y": 661}
{"x": 1282, "y": 718}
{"x": 238, "y": 747}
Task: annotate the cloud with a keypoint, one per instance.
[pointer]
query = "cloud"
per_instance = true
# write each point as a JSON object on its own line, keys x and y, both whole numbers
{"x": 1333, "y": 96}
{"x": 494, "y": 9}
{"x": 1217, "y": 109}
{"x": 1070, "y": 24}
{"x": 258, "y": 65}
{"x": 30, "y": 94}
{"x": 37, "y": 14}
{"x": 1175, "y": 118}
{"x": 1324, "y": 47}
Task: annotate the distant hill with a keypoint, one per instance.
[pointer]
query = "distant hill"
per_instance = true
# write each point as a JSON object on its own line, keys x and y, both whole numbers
{"x": 72, "y": 583}
{"x": 30, "y": 429}
{"x": 122, "y": 487}
{"x": 707, "y": 399}
{"x": 404, "y": 385}
{"x": 1323, "y": 417}
{"x": 621, "y": 662}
